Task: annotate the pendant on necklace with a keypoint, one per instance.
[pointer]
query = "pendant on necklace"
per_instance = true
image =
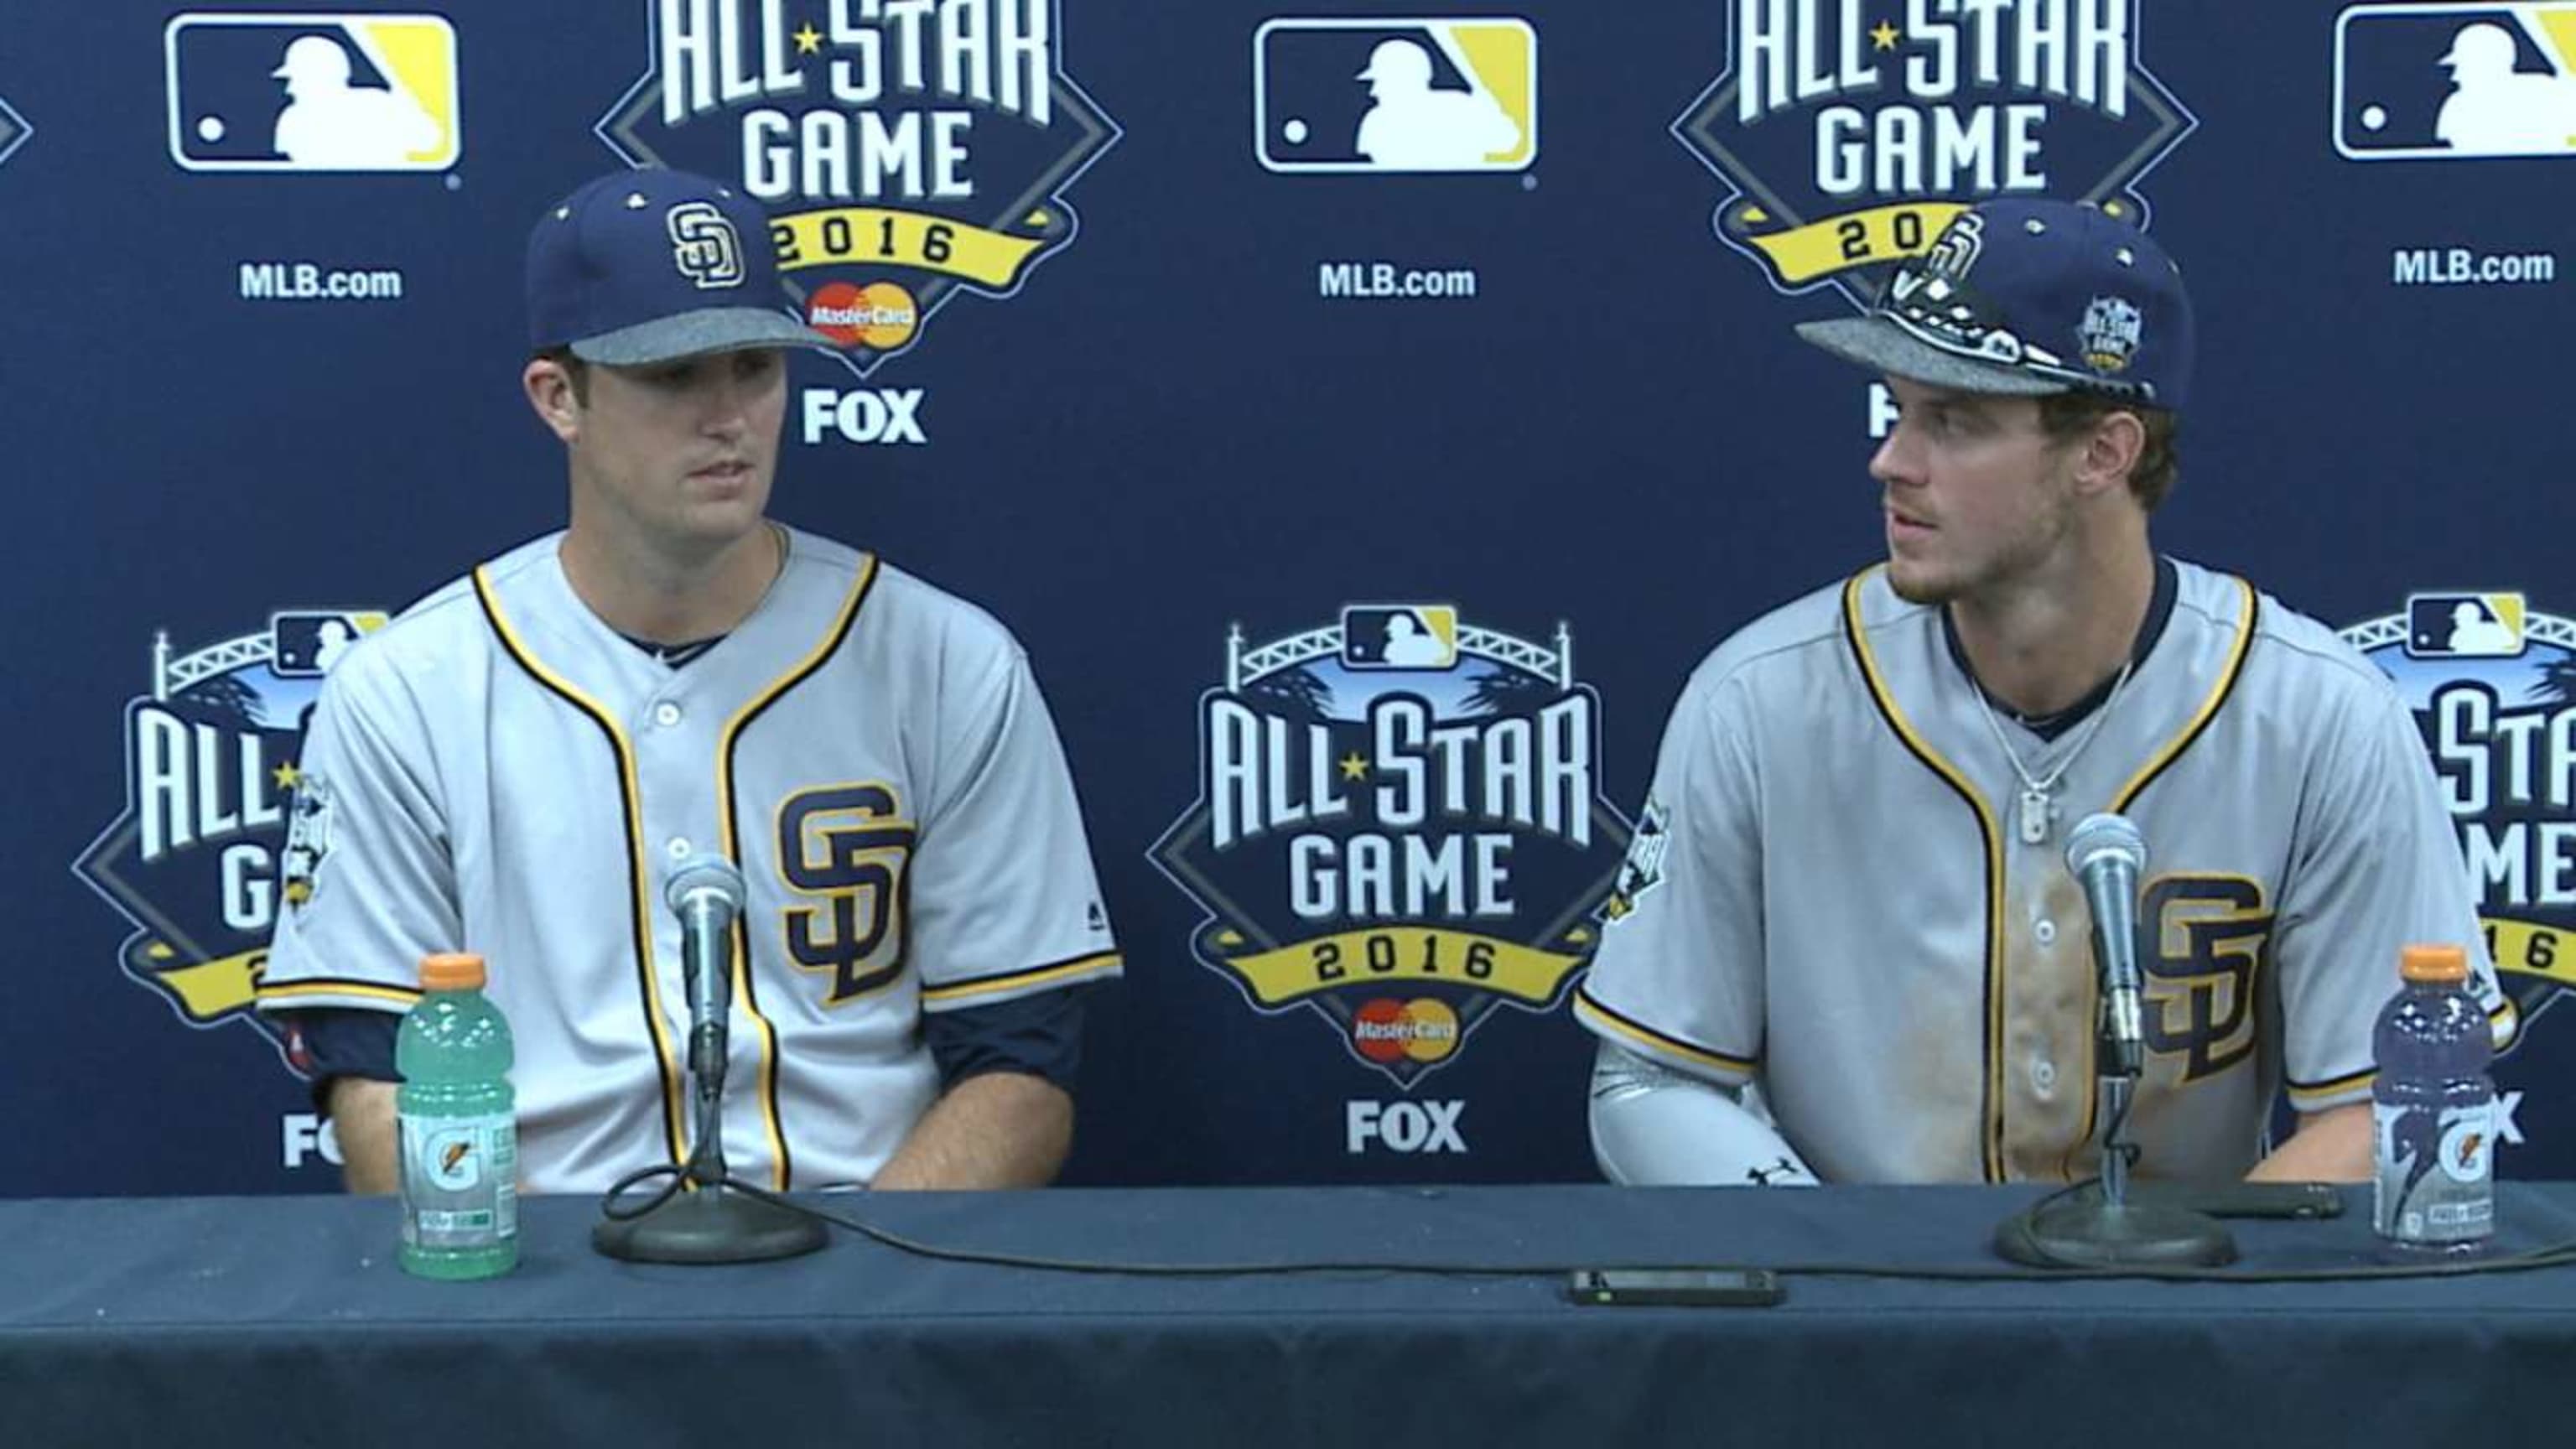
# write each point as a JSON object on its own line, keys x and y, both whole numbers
{"x": 2034, "y": 817}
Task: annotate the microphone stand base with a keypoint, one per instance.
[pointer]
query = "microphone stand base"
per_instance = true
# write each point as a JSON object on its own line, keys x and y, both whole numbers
{"x": 2083, "y": 1231}
{"x": 711, "y": 1225}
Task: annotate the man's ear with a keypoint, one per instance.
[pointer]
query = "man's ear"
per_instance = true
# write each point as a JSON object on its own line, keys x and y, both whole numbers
{"x": 549, "y": 386}
{"x": 2110, "y": 452}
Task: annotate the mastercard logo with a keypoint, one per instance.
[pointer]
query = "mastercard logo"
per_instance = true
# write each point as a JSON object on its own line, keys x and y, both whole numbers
{"x": 1385, "y": 1030}
{"x": 881, "y": 315}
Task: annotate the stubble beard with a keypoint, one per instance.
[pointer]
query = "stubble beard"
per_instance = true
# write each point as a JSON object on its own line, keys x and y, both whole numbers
{"x": 2015, "y": 562}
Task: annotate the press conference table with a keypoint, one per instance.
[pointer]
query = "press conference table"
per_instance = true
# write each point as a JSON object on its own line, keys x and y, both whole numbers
{"x": 284, "y": 1321}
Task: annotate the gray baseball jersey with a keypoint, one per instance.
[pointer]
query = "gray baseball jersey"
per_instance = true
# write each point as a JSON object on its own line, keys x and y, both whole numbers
{"x": 498, "y": 771}
{"x": 1830, "y": 889}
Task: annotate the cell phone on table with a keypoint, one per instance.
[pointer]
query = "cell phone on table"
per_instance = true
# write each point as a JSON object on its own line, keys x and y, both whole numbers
{"x": 1675, "y": 1287}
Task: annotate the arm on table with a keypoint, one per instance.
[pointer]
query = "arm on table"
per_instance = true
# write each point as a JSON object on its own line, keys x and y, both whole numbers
{"x": 994, "y": 1129}
{"x": 362, "y": 1117}
{"x": 1654, "y": 1125}
{"x": 2329, "y": 1146}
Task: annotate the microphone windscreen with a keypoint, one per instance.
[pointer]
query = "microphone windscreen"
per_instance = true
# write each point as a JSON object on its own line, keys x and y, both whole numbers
{"x": 2106, "y": 833}
{"x": 707, "y": 872}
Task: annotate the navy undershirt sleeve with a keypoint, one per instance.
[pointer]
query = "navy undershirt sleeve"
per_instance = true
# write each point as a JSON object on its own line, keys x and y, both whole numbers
{"x": 330, "y": 1042}
{"x": 1038, "y": 1035}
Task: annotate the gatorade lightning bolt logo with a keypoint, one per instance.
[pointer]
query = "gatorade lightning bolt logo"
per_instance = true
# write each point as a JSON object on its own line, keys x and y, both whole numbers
{"x": 1399, "y": 828}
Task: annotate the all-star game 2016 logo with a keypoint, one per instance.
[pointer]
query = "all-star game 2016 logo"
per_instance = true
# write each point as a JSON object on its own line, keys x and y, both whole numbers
{"x": 1851, "y": 131}
{"x": 906, "y": 150}
{"x": 2493, "y": 687}
{"x": 200, "y": 860}
{"x": 1400, "y": 828}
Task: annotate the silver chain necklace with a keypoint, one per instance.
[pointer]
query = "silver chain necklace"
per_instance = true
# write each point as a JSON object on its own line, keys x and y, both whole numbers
{"x": 2037, "y": 811}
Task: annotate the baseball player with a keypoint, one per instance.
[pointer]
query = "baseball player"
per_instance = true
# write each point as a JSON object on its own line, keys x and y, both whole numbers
{"x": 518, "y": 764}
{"x": 1846, "y": 945}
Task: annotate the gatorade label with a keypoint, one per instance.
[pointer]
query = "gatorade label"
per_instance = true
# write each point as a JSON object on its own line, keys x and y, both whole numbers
{"x": 2436, "y": 1180}
{"x": 460, "y": 1181}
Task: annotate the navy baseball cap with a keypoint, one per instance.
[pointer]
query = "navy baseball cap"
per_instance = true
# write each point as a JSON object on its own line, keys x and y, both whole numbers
{"x": 653, "y": 266}
{"x": 2028, "y": 297}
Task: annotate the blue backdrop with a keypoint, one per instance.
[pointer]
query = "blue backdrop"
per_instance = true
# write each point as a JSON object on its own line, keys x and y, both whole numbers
{"x": 1149, "y": 356}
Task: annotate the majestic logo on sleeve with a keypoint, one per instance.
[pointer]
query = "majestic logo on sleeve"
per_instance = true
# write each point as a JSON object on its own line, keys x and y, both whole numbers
{"x": 219, "y": 828}
{"x": 1395, "y": 94}
{"x": 316, "y": 92}
{"x": 2417, "y": 82}
{"x": 907, "y": 151}
{"x": 2493, "y": 686}
{"x": 1849, "y": 132}
{"x": 1400, "y": 828}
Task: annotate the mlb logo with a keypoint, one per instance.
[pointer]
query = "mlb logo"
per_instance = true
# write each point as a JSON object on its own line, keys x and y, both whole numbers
{"x": 1399, "y": 636}
{"x": 2464, "y": 626}
{"x": 319, "y": 92}
{"x": 2455, "y": 82}
{"x": 305, "y": 643}
{"x": 1393, "y": 94}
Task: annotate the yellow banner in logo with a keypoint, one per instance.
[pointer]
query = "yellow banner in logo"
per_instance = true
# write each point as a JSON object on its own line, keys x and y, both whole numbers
{"x": 1854, "y": 239}
{"x": 1389, "y": 955}
{"x": 2528, "y": 948}
{"x": 216, "y": 988}
{"x": 863, "y": 234}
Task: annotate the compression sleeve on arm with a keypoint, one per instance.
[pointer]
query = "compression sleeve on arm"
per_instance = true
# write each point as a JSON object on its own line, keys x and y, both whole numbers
{"x": 1654, "y": 1125}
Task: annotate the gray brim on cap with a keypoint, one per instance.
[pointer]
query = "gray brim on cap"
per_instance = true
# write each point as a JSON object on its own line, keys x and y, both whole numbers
{"x": 696, "y": 334}
{"x": 1882, "y": 346}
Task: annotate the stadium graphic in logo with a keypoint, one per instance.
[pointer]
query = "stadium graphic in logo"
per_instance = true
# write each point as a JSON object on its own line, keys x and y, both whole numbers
{"x": 318, "y": 92}
{"x": 1847, "y": 139}
{"x": 905, "y": 156}
{"x": 2418, "y": 82}
{"x": 2493, "y": 686}
{"x": 199, "y": 861}
{"x": 1395, "y": 94}
{"x": 1400, "y": 828}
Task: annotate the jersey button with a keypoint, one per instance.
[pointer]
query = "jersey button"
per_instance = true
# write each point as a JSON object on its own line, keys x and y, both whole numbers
{"x": 679, "y": 848}
{"x": 2043, "y": 1075}
{"x": 666, "y": 714}
{"x": 2046, "y": 931}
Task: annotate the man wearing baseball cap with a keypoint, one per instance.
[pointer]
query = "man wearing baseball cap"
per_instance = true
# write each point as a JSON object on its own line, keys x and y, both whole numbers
{"x": 675, "y": 687}
{"x": 1848, "y": 943}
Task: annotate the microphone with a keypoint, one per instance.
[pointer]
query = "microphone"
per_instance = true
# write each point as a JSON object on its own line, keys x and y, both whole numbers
{"x": 714, "y": 1220}
{"x": 706, "y": 895}
{"x": 2107, "y": 856}
{"x": 2098, "y": 1227}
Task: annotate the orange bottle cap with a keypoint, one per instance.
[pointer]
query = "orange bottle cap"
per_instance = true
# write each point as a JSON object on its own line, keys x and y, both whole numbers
{"x": 2433, "y": 963}
{"x": 451, "y": 971}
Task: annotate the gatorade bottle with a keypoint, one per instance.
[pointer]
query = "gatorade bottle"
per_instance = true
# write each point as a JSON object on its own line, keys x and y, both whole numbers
{"x": 2435, "y": 1106}
{"x": 460, "y": 1131}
